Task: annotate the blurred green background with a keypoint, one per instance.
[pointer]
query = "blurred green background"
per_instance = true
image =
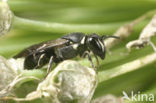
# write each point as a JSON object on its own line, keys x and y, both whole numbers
{"x": 110, "y": 14}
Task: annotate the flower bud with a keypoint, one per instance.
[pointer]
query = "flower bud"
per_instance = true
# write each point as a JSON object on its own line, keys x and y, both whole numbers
{"x": 69, "y": 82}
{"x": 5, "y": 18}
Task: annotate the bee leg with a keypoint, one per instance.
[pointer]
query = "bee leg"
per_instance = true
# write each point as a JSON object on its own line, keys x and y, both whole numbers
{"x": 97, "y": 61}
{"x": 34, "y": 55}
{"x": 49, "y": 65}
{"x": 39, "y": 61}
{"x": 89, "y": 58}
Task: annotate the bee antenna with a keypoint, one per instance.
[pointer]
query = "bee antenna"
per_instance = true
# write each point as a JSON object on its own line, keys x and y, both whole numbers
{"x": 109, "y": 36}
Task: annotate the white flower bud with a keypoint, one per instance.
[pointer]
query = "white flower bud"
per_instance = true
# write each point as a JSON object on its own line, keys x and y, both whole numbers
{"x": 7, "y": 74}
{"x": 69, "y": 82}
{"x": 5, "y": 18}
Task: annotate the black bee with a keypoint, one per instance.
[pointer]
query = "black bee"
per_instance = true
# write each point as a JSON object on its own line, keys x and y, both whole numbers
{"x": 66, "y": 47}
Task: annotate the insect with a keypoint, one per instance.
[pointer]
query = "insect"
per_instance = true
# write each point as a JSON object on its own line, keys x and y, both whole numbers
{"x": 66, "y": 47}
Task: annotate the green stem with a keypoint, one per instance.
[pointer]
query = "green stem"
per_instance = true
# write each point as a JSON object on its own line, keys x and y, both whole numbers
{"x": 66, "y": 28}
{"x": 60, "y": 28}
{"x": 36, "y": 73}
{"x": 128, "y": 67}
{"x": 30, "y": 75}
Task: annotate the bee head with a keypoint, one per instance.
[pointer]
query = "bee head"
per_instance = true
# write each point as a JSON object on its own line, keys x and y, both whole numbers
{"x": 96, "y": 44}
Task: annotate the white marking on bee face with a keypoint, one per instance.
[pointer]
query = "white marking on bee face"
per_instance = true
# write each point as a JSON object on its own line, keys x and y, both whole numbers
{"x": 102, "y": 45}
{"x": 75, "y": 46}
{"x": 83, "y": 40}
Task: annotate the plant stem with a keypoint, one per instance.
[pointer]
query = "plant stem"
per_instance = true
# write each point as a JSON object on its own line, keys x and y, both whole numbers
{"x": 128, "y": 67}
{"x": 66, "y": 28}
{"x": 36, "y": 73}
{"x": 60, "y": 28}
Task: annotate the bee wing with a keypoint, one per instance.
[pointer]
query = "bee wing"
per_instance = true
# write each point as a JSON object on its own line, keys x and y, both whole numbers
{"x": 41, "y": 46}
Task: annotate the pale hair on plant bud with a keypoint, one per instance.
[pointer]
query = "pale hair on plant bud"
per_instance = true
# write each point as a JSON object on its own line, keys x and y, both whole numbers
{"x": 5, "y": 17}
{"x": 68, "y": 82}
{"x": 9, "y": 73}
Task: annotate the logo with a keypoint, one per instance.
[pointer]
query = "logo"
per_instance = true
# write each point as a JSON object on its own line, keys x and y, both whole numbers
{"x": 138, "y": 96}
